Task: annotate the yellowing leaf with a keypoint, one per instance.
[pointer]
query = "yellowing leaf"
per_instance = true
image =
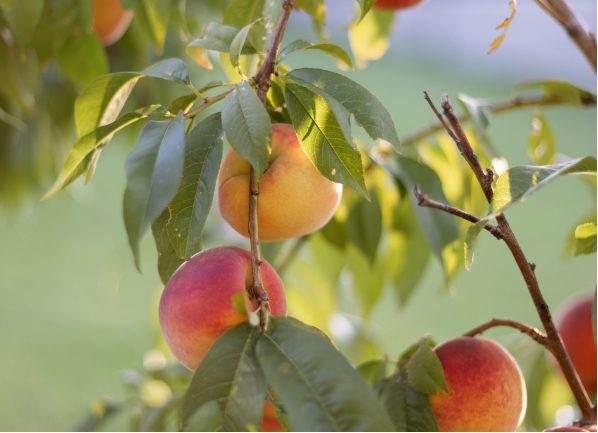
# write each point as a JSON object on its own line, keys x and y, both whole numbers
{"x": 504, "y": 26}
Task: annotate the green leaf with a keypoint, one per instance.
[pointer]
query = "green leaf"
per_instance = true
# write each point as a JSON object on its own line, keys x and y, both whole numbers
{"x": 153, "y": 16}
{"x": 316, "y": 9}
{"x": 247, "y": 126}
{"x": 208, "y": 418}
{"x": 412, "y": 252}
{"x": 373, "y": 371}
{"x": 334, "y": 50}
{"x": 369, "y": 39}
{"x": 238, "y": 43}
{"x": 541, "y": 144}
{"x": 80, "y": 156}
{"x": 83, "y": 58}
{"x": 323, "y": 139}
{"x": 364, "y": 226}
{"x": 356, "y": 99}
{"x": 240, "y": 13}
{"x": 154, "y": 170}
{"x": 517, "y": 183}
{"x": 471, "y": 240}
{"x": 409, "y": 409}
{"x": 22, "y": 18}
{"x": 101, "y": 102}
{"x": 440, "y": 229}
{"x": 230, "y": 376}
{"x": 179, "y": 228}
{"x": 585, "y": 239}
{"x": 562, "y": 91}
{"x": 424, "y": 370}
{"x": 217, "y": 37}
{"x": 367, "y": 279}
{"x": 317, "y": 386}
{"x": 364, "y": 7}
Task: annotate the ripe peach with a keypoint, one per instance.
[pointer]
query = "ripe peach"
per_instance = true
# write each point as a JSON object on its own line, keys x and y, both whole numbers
{"x": 486, "y": 387}
{"x": 196, "y": 305}
{"x": 295, "y": 199}
{"x": 110, "y": 20}
{"x": 396, "y": 4}
{"x": 574, "y": 323}
{"x": 270, "y": 422}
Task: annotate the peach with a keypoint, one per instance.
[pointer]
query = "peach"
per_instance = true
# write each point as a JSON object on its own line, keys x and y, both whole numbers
{"x": 110, "y": 20}
{"x": 295, "y": 199}
{"x": 270, "y": 421}
{"x": 395, "y": 4}
{"x": 196, "y": 306}
{"x": 574, "y": 323}
{"x": 486, "y": 390}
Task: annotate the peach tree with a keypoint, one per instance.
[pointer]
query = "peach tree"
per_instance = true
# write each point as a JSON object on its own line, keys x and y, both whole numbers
{"x": 316, "y": 166}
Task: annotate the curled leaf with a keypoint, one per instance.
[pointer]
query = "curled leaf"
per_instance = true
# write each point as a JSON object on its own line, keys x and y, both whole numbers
{"x": 504, "y": 26}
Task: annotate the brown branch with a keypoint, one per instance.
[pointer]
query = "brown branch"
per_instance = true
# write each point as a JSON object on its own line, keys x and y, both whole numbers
{"x": 587, "y": 100}
{"x": 256, "y": 292}
{"x": 582, "y": 37}
{"x": 207, "y": 101}
{"x": 527, "y": 269}
{"x": 424, "y": 201}
{"x": 284, "y": 261}
{"x": 534, "y": 333}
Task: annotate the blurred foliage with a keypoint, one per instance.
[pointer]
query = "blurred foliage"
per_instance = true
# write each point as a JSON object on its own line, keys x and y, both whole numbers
{"x": 379, "y": 239}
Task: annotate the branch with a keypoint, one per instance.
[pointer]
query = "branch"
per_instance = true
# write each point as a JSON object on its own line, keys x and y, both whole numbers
{"x": 424, "y": 201}
{"x": 207, "y": 101}
{"x": 256, "y": 292}
{"x": 534, "y": 333}
{"x": 583, "y": 38}
{"x": 587, "y": 100}
{"x": 554, "y": 343}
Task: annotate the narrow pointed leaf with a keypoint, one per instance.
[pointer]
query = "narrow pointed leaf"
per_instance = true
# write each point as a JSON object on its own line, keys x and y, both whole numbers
{"x": 561, "y": 91}
{"x": 238, "y": 43}
{"x": 370, "y": 38}
{"x": 409, "y": 409}
{"x": 585, "y": 239}
{"x": 364, "y": 7}
{"x": 80, "y": 156}
{"x": 101, "y": 102}
{"x": 364, "y": 226}
{"x": 334, "y": 50}
{"x": 322, "y": 137}
{"x": 317, "y": 386}
{"x": 365, "y": 107}
{"x": 230, "y": 376}
{"x": 424, "y": 371}
{"x": 471, "y": 240}
{"x": 154, "y": 170}
{"x": 178, "y": 229}
{"x": 517, "y": 183}
{"x": 247, "y": 126}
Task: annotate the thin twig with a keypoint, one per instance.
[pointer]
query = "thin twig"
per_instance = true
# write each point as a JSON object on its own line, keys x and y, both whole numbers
{"x": 534, "y": 333}
{"x": 554, "y": 343}
{"x": 207, "y": 101}
{"x": 582, "y": 37}
{"x": 425, "y": 201}
{"x": 586, "y": 100}
{"x": 256, "y": 292}
{"x": 290, "y": 254}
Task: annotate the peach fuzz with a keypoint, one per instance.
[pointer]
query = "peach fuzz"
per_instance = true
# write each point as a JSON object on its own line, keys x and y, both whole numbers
{"x": 574, "y": 323}
{"x": 110, "y": 20}
{"x": 295, "y": 199}
{"x": 196, "y": 305}
{"x": 486, "y": 388}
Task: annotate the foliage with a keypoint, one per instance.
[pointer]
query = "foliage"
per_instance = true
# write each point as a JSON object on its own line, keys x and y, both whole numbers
{"x": 380, "y": 236}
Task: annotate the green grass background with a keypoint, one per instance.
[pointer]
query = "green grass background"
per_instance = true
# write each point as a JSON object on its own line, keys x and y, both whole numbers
{"x": 74, "y": 313}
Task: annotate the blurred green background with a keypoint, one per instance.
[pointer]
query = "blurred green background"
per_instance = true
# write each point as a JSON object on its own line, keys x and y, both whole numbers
{"x": 74, "y": 313}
